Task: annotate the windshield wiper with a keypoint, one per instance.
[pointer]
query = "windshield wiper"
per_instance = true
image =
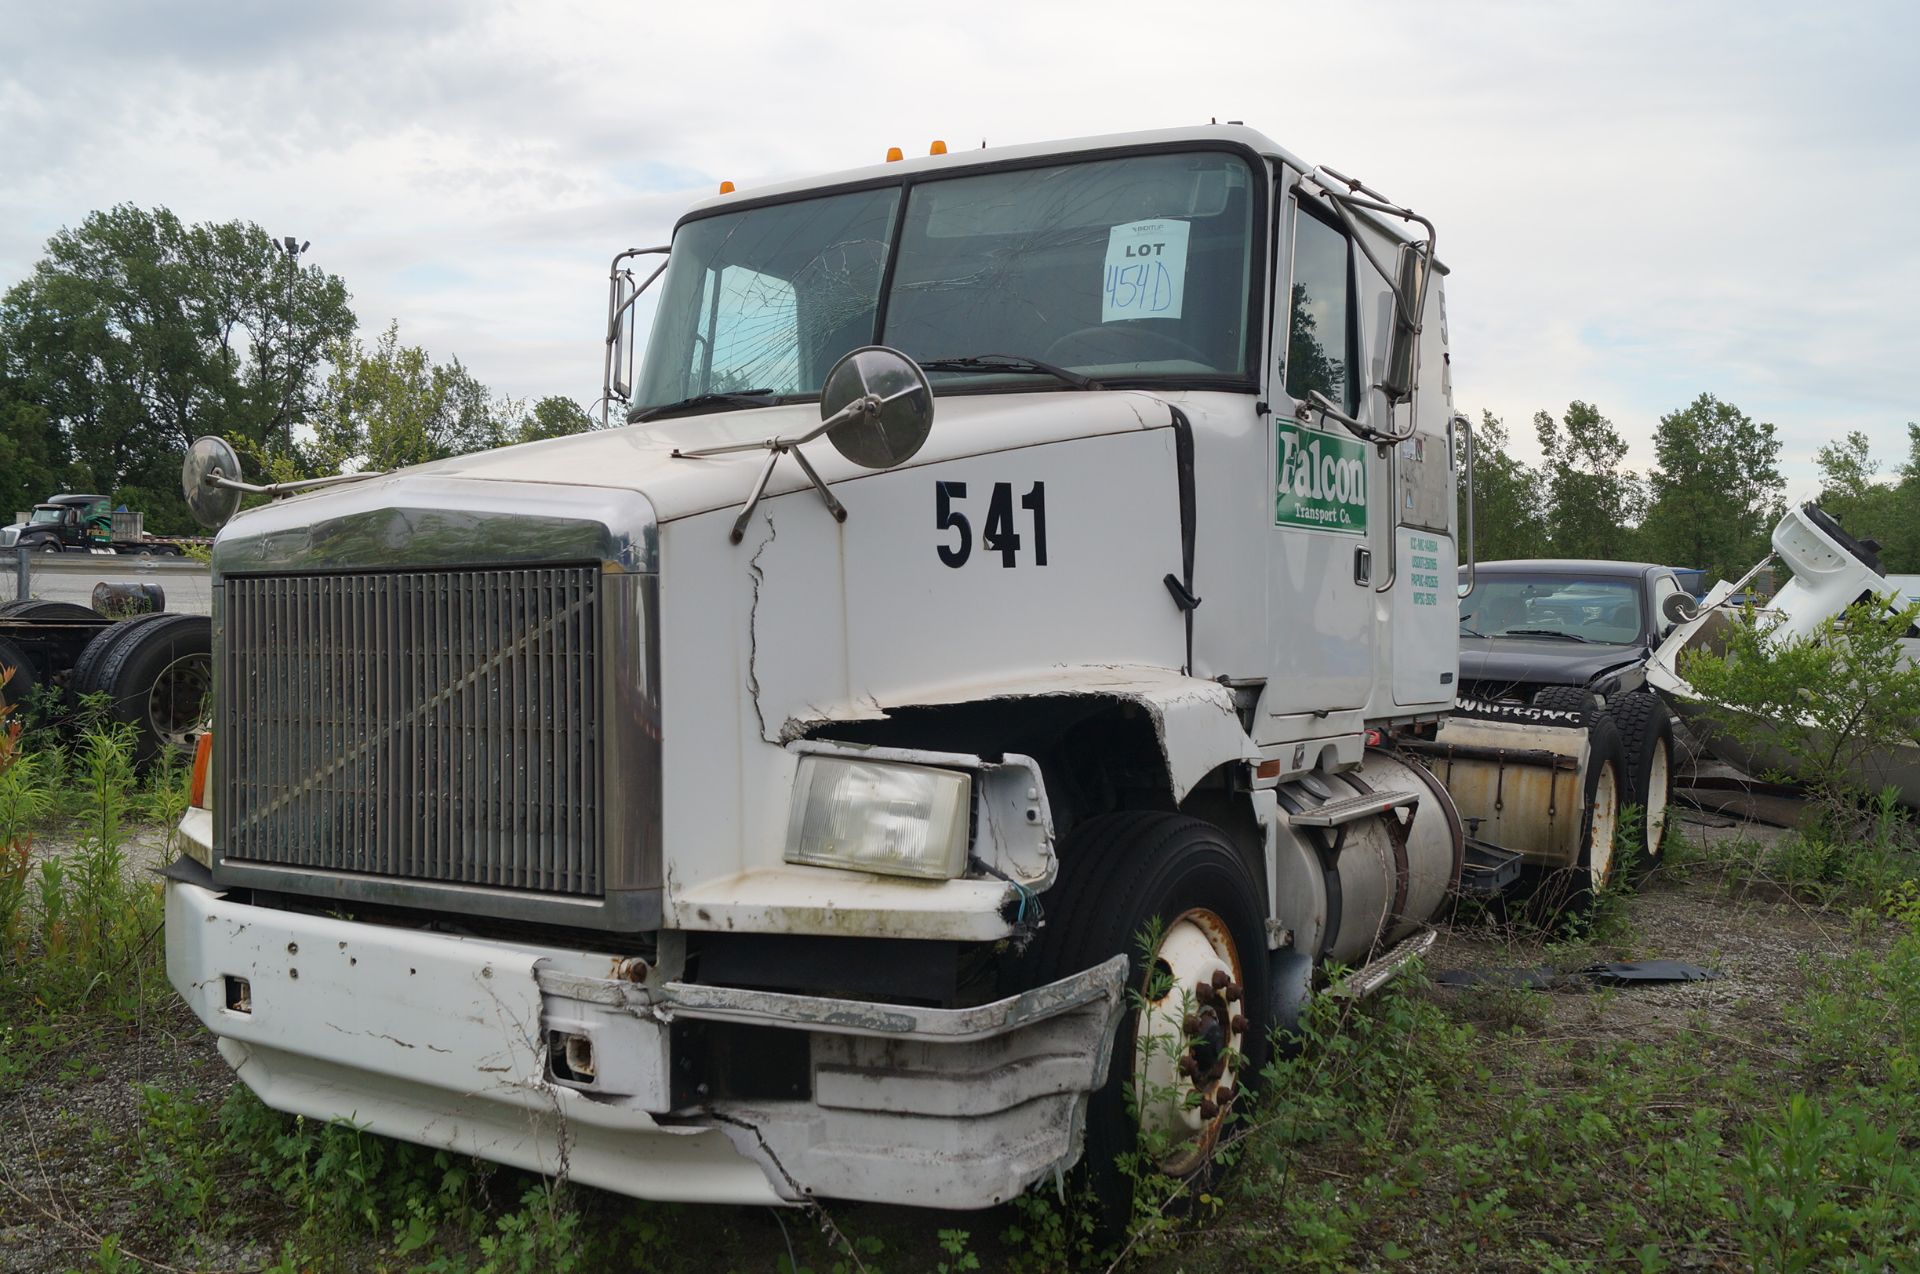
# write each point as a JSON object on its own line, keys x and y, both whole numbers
{"x": 1470, "y": 630}
{"x": 1545, "y": 632}
{"x": 738, "y": 398}
{"x": 977, "y": 363}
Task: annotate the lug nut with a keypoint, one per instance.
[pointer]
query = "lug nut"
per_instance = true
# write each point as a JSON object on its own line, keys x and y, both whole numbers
{"x": 1207, "y": 1108}
{"x": 1231, "y": 993}
{"x": 1224, "y": 1096}
{"x": 1189, "y": 1067}
{"x": 1240, "y": 1023}
{"x": 1204, "y": 993}
{"x": 1220, "y": 978}
{"x": 1191, "y": 1025}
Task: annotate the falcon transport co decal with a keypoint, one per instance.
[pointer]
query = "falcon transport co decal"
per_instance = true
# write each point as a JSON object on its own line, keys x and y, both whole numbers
{"x": 1320, "y": 480}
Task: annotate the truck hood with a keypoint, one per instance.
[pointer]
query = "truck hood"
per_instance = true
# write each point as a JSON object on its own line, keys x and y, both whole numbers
{"x": 1540, "y": 660}
{"x": 640, "y": 457}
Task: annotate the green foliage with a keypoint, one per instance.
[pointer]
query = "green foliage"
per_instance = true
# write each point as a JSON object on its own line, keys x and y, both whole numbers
{"x": 1886, "y": 510}
{"x": 1827, "y": 708}
{"x": 1591, "y": 501}
{"x": 552, "y": 417}
{"x": 136, "y": 333}
{"x": 1715, "y": 489}
{"x": 392, "y": 405}
{"x": 1508, "y": 520}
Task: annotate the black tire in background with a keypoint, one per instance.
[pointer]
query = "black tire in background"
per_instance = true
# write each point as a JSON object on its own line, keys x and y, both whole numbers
{"x": 1581, "y": 702}
{"x": 1646, "y": 740}
{"x": 85, "y": 678}
{"x": 21, "y": 684}
{"x": 159, "y": 679}
{"x": 41, "y": 608}
{"x": 1122, "y": 874}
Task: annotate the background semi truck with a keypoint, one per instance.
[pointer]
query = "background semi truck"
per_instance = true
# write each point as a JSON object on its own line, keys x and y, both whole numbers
{"x": 1004, "y": 664}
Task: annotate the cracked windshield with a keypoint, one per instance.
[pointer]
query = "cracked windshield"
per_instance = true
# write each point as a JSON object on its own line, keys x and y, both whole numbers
{"x": 1120, "y": 269}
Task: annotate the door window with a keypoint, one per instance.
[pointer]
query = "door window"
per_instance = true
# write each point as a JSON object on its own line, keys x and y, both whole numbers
{"x": 1320, "y": 329}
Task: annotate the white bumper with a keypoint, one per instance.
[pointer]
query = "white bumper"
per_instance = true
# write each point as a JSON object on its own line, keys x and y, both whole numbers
{"x": 441, "y": 1040}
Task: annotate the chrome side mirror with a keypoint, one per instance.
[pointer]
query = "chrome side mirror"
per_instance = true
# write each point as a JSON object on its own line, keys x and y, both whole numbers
{"x": 212, "y": 503}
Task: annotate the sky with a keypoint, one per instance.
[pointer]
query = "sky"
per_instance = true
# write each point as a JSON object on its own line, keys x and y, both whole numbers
{"x": 1639, "y": 202}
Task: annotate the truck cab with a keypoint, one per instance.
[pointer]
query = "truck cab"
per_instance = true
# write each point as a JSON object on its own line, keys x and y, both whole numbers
{"x": 959, "y": 701}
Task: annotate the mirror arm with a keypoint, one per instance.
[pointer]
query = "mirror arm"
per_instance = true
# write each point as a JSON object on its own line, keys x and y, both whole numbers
{"x": 278, "y": 489}
{"x": 834, "y": 506}
{"x": 1465, "y": 428}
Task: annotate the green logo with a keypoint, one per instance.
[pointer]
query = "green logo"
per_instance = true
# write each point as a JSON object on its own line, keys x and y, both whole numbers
{"x": 1320, "y": 480}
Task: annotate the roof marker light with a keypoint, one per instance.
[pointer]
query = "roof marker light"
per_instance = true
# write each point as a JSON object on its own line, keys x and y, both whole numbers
{"x": 726, "y": 187}
{"x": 893, "y": 155}
{"x": 938, "y": 148}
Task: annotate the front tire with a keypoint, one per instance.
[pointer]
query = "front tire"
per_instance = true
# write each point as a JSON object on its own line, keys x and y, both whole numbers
{"x": 1196, "y": 1025}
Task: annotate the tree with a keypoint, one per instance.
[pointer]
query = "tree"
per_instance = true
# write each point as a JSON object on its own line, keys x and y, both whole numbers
{"x": 552, "y": 417}
{"x": 137, "y": 333}
{"x": 1506, "y": 498}
{"x": 393, "y": 406}
{"x": 1592, "y": 504}
{"x": 1716, "y": 489}
{"x": 1887, "y": 510}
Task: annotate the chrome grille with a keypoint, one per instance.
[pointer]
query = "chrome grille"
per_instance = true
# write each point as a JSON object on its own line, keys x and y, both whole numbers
{"x": 433, "y": 726}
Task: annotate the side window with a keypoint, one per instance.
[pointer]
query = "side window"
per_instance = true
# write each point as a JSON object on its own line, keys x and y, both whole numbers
{"x": 1663, "y": 588}
{"x": 1320, "y": 331}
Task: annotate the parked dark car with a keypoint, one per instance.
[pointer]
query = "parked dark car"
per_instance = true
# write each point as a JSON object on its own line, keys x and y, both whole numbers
{"x": 1574, "y": 635}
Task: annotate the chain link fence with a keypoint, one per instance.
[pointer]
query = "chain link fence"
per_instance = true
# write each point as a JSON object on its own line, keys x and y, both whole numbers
{"x": 187, "y": 585}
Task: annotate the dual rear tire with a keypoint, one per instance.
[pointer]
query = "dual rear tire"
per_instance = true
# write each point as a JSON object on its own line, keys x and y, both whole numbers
{"x": 156, "y": 674}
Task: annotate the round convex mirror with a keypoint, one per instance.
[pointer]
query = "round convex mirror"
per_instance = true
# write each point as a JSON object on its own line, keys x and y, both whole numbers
{"x": 1678, "y": 608}
{"x": 892, "y": 433}
{"x": 211, "y": 506}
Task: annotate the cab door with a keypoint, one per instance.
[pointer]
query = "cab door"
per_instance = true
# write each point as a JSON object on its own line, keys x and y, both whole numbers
{"x": 1320, "y": 559}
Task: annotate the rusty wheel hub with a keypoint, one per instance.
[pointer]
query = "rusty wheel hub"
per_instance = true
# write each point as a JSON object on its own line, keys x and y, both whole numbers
{"x": 1188, "y": 1040}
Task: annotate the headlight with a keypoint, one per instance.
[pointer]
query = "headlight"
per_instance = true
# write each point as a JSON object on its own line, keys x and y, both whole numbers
{"x": 901, "y": 820}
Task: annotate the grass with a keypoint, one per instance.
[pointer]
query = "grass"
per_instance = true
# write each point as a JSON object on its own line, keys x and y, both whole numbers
{"x": 1423, "y": 1129}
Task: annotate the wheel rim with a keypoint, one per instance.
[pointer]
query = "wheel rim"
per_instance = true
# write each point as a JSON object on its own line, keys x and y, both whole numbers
{"x": 1658, "y": 770}
{"x": 1606, "y": 821}
{"x": 179, "y": 701}
{"x": 1188, "y": 1040}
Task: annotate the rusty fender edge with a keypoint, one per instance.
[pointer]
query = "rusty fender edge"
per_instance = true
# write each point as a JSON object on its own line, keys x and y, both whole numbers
{"x": 944, "y": 1108}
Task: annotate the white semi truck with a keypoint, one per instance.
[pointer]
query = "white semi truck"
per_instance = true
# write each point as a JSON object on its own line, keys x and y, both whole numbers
{"x": 1009, "y": 554}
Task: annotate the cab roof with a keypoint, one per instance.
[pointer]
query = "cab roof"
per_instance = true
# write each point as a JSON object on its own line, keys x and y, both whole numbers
{"x": 959, "y": 160}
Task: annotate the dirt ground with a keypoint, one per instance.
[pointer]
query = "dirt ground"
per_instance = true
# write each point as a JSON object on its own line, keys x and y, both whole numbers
{"x": 64, "y": 1133}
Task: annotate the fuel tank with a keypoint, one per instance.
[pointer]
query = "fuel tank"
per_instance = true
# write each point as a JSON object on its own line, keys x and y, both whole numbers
{"x": 1365, "y": 857}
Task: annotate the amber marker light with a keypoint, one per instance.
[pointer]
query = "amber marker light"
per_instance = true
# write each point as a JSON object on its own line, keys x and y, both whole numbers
{"x": 938, "y": 148}
{"x": 726, "y": 187}
{"x": 894, "y": 155}
{"x": 202, "y": 762}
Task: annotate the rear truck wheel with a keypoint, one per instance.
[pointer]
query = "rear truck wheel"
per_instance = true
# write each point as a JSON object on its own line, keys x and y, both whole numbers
{"x": 1197, "y": 1026}
{"x": 159, "y": 678}
{"x": 21, "y": 681}
{"x": 1602, "y": 795}
{"x": 1583, "y": 703}
{"x": 40, "y": 608}
{"x": 85, "y": 679}
{"x": 1646, "y": 741}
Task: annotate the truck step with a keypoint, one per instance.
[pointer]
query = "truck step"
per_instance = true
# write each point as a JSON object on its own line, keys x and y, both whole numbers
{"x": 1376, "y": 973}
{"x": 1351, "y": 809}
{"x": 1488, "y": 870}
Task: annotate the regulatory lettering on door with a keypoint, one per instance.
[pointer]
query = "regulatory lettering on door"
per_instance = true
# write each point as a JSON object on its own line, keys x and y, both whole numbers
{"x": 1320, "y": 480}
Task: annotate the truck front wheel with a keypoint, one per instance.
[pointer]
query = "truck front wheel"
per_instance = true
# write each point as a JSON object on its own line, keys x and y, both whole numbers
{"x": 1175, "y": 896}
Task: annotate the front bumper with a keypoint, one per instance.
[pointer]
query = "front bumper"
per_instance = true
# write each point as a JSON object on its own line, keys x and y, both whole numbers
{"x": 443, "y": 1040}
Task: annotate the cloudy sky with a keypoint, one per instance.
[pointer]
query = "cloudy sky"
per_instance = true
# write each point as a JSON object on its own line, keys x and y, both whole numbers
{"x": 1639, "y": 201}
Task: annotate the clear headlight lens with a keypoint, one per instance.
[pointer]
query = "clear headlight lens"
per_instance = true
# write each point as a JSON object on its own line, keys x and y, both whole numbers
{"x": 901, "y": 820}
